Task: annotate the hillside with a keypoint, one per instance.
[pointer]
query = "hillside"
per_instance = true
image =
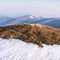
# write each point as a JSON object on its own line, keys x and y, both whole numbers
{"x": 32, "y": 33}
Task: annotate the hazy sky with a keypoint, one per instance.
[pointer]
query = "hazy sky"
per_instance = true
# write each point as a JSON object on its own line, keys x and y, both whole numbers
{"x": 45, "y": 8}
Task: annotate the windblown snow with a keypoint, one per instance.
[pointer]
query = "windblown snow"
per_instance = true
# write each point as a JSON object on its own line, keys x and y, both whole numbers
{"x": 14, "y": 49}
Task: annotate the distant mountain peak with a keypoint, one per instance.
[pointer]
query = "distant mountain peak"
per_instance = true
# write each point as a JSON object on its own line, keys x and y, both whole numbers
{"x": 30, "y": 19}
{"x": 29, "y": 16}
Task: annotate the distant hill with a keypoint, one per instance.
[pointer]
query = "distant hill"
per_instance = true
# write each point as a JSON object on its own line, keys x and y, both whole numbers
{"x": 32, "y": 33}
{"x": 29, "y": 19}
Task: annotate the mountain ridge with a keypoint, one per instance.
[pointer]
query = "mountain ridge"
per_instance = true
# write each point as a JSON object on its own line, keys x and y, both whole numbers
{"x": 29, "y": 19}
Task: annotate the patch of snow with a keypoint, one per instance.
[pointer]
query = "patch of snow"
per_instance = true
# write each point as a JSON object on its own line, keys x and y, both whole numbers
{"x": 31, "y": 17}
{"x": 14, "y": 49}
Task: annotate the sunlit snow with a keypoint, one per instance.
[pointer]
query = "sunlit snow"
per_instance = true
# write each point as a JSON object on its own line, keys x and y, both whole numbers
{"x": 14, "y": 49}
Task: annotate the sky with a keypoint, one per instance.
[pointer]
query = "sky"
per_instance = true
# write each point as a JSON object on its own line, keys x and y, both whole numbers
{"x": 45, "y": 8}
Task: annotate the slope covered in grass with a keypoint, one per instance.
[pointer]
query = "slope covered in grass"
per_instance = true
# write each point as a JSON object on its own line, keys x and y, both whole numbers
{"x": 34, "y": 33}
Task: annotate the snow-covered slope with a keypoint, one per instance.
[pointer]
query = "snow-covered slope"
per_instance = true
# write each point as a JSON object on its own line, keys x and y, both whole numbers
{"x": 14, "y": 49}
